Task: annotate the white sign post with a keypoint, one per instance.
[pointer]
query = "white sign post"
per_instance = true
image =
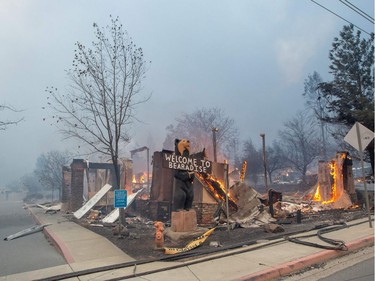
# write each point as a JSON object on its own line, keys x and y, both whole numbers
{"x": 360, "y": 137}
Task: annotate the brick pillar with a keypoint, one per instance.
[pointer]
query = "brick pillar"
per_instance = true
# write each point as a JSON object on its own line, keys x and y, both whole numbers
{"x": 66, "y": 191}
{"x": 184, "y": 221}
{"x": 76, "y": 199}
{"x": 205, "y": 213}
{"x": 324, "y": 180}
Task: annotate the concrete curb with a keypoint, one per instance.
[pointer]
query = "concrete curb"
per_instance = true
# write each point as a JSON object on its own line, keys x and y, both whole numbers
{"x": 60, "y": 245}
{"x": 57, "y": 243}
{"x": 293, "y": 266}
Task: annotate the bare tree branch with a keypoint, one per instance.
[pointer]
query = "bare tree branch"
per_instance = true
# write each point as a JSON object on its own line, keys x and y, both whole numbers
{"x": 4, "y": 123}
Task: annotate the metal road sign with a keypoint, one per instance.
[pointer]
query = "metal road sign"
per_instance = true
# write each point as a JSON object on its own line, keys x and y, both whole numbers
{"x": 365, "y": 136}
{"x": 120, "y": 198}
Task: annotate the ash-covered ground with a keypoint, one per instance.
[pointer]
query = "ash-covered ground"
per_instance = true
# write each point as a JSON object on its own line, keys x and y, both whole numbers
{"x": 139, "y": 240}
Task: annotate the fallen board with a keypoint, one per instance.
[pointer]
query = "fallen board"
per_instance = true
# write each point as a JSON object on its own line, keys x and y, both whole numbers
{"x": 91, "y": 203}
{"x": 54, "y": 208}
{"x": 113, "y": 216}
{"x": 28, "y": 231}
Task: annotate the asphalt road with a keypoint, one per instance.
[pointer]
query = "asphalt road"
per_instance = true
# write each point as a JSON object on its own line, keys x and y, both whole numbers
{"x": 26, "y": 253}
{"x": 358, "y": 266}
{"x": 361, "y": 271}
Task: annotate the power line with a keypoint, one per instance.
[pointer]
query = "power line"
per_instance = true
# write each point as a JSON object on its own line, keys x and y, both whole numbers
{"x": 339, "y": 16}
{"x": 357, "y": 10}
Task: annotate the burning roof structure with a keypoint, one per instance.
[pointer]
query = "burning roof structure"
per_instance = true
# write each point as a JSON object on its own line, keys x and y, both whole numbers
{"x": 216, "y": 189}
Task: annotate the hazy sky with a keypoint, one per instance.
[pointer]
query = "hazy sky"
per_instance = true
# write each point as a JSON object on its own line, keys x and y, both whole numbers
{"x": 249, "y": 58}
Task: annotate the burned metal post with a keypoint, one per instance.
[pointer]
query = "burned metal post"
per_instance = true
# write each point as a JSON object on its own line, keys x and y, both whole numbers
{"x": 214, "y": 131}
{"x": 226, "y": 182}
{"x": 148, "y": 170}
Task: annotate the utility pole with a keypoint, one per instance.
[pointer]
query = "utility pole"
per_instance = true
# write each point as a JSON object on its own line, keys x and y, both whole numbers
{"x": 148, "y": 170}
{"x": 214, "y": 131}
{"x": 263, "y": 136}
{"x": 226, "y": 183}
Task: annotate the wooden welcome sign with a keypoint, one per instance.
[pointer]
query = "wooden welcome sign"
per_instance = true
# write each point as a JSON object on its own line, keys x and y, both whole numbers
{"x": 193, "y": 163}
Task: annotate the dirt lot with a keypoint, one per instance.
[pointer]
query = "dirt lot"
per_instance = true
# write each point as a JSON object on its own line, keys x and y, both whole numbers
{"x": 139, "y": 239}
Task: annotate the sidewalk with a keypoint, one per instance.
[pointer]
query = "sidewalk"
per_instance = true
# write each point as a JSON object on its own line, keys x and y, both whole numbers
{"x": 77, "y": 244}
{"x": 265, "y": 260}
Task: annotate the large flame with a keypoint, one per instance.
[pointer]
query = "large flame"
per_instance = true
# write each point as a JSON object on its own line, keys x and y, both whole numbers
{"x": 216, "y": 188}
{"x": 139, "y": 178}
{"x": 334, "y": 196}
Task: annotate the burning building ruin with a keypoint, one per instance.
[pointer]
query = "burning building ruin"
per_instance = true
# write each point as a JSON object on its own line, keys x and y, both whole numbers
{"x": 205, "y": 201}
{"x": 335, "y": 187}
{"x": 83, "y": 179}
{"x": 211, "y": 190}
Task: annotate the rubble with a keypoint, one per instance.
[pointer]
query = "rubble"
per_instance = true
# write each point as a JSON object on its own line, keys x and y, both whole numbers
{"x": 178, "y": 237}
{"x": 251, "y": 212}
{"x": 273, "y": 228}
{"x": 50, "y": 209}
{"x": 94, "y": 215}
{"x": 215, "y": 244}
{"x": 120, "y": 230}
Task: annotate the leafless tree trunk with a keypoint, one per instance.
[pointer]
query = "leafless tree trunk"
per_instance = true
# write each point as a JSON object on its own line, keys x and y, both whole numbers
{"x": 49, "y": 169}
{"x": 98, "y": 108}
{"x": 300, "y": 144}
{"x": 275, "y": 160}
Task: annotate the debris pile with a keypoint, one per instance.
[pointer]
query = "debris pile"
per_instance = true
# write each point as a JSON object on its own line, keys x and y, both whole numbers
{"x": 250, "y": 211}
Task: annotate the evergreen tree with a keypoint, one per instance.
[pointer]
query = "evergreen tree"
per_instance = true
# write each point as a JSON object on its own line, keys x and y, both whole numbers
{"x": 350, "y": 96}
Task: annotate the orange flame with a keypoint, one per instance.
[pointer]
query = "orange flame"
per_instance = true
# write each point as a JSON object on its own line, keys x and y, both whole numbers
{"x": 217, "y": 188}
{"x": 334, "y": 195}
{"x": 317, "y": 196}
